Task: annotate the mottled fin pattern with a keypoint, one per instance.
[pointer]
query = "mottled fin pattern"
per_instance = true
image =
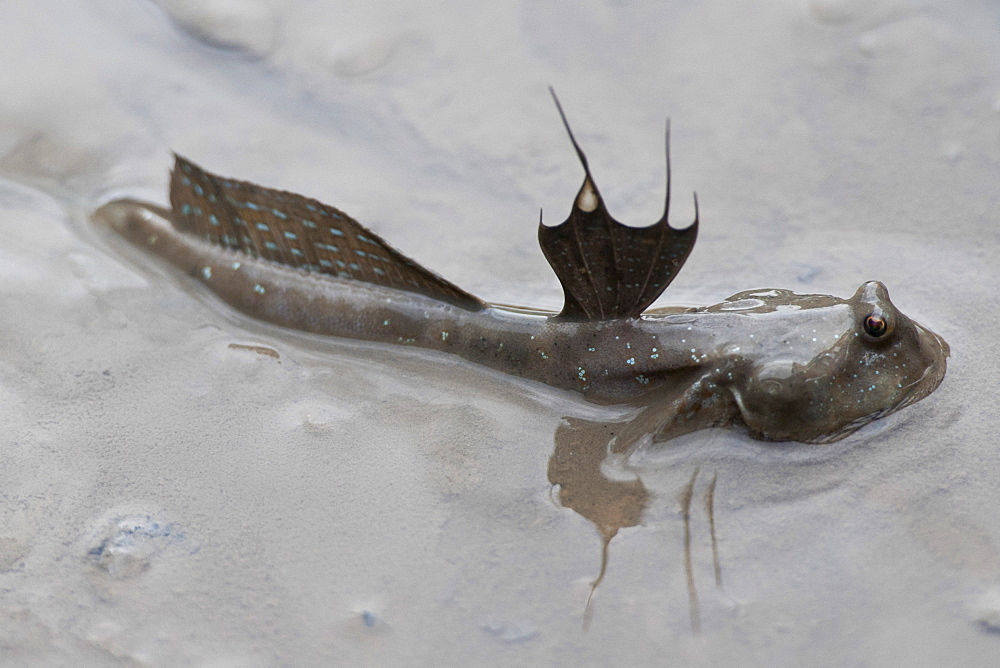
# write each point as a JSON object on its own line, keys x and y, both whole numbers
{"x": 298, "y": 232}
{"x": 609, "y": 270}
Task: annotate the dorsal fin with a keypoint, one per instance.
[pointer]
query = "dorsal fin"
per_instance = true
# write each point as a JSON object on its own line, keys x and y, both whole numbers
{"x": 296, "y": 231}
{"x": 609, "y": 270}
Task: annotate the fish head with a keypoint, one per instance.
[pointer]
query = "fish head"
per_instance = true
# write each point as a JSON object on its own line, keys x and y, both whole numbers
{"x": 870, "y": 360}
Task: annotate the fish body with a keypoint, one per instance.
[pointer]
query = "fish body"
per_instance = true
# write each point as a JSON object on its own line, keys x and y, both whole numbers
{"x": 790, "y": 366}
{"x": 787, "y": 366}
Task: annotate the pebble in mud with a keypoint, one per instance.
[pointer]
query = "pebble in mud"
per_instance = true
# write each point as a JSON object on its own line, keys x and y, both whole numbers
{"x": 372, "y": 620}
{"x": 125, "y": 546}
{"x": 367, "y": 622}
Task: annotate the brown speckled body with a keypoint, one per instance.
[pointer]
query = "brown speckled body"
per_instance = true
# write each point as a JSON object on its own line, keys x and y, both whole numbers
{"x": 787, "y": 366}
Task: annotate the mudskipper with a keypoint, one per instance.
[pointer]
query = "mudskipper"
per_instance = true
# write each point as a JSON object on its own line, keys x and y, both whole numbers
{"x": 781, "y": 365}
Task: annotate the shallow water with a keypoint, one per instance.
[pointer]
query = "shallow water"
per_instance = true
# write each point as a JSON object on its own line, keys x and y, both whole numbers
{"x": 169, "y": 497}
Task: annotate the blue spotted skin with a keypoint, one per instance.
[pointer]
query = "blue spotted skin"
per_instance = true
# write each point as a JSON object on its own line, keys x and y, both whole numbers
{"x": 785, "y": 366}
{"x": 295, "y": 231}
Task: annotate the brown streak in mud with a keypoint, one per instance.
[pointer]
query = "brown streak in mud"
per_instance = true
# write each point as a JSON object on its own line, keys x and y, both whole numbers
{"x": 588, "y": 610}
{"x": 685, "y": 499}
{"x": 710, "y": 509}
{"x": 260, "y": 350}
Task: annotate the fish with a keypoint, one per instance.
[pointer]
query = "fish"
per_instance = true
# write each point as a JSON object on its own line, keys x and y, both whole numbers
{"x": 780, "y": 365}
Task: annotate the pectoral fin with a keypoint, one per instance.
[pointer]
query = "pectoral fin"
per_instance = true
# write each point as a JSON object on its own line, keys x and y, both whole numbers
{"x": 609, "y": 270}
{"x": 296, "y": 231}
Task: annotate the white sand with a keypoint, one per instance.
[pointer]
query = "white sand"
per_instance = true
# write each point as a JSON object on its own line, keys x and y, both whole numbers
{"x": 165, "y": 498}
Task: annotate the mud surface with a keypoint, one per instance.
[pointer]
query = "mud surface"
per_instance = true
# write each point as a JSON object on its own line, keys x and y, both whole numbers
{"x": 183, "y": 485}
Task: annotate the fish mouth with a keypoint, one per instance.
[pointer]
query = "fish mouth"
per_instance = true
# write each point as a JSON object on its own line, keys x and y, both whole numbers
{"x": 936, "y": 351}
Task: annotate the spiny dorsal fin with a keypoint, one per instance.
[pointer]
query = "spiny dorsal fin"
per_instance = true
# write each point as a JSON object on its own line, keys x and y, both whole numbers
{"x": 296, "y": 231}
{"x": 609, "y": 270}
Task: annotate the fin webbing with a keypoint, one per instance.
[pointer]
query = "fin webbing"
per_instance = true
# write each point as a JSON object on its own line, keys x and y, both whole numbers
{"x": 296, "y": 231}
{"x": 608, "y": 270}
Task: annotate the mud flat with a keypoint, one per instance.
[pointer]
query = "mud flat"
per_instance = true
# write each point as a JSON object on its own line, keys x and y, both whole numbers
{"x": 181, "y": 484}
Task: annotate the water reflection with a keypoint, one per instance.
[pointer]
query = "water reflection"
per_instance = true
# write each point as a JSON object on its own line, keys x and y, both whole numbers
{"x": 581, "y": 447}
{"x": 610, "y": 505}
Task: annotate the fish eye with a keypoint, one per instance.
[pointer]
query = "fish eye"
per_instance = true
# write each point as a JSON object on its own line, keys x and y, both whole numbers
{"x": 877, "y": 325}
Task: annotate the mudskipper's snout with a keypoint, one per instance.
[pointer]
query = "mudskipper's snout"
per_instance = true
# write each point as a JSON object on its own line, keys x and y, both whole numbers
{"x": 881, "y": 362}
